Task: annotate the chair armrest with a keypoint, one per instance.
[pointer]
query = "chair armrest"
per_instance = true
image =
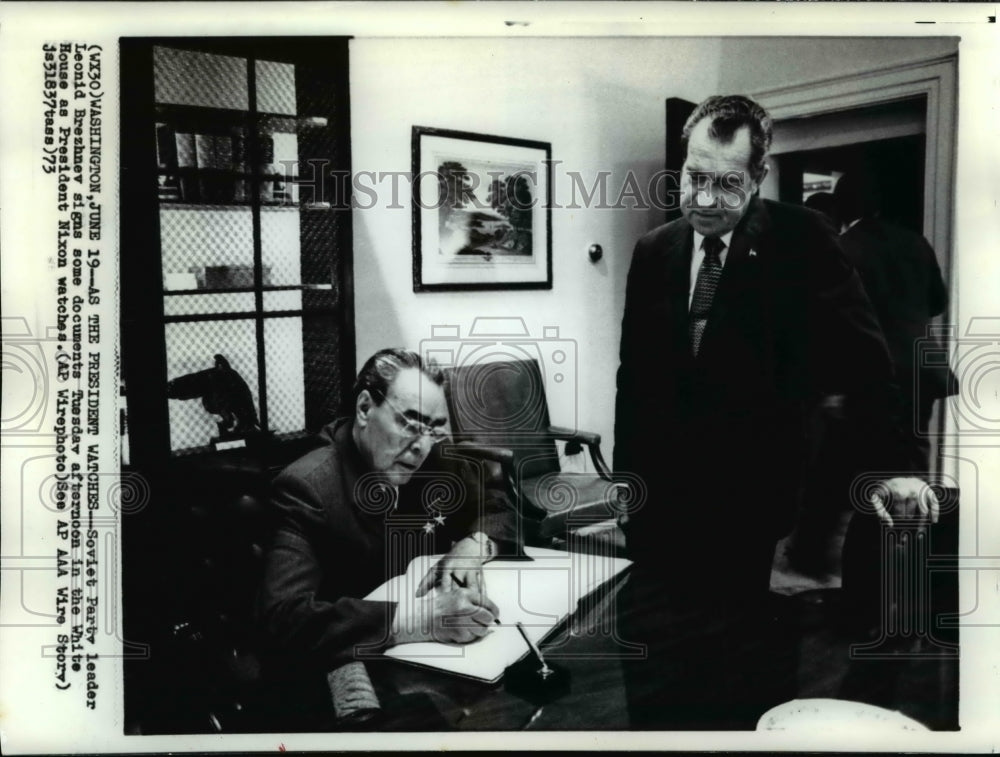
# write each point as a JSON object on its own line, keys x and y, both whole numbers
{"x": 501, "y": 455}
{"x": 574, "y": 435}
{"x": 593, "y": 442}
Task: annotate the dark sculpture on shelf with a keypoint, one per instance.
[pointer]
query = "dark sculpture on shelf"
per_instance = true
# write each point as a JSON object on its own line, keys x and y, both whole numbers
{"x": 223, "y": 392}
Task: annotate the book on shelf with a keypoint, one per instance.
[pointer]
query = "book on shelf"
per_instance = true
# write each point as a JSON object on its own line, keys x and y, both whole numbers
{"x": 186, "y": 152}
{"x": 168, "y": 187}
{"x": 240, "y": 193}
{"x": 284, "y": 191}
{"x": 224, "y": 152}
{"x": 239, "y": 152}
{"x": 204, "y": 146}
{"x": 166, "y": 148}
{"x": 266, "y": 147}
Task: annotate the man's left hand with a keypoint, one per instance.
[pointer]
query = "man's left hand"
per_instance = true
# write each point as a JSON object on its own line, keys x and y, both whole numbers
{"x": 462, "y": 567}
{"x": 910, "y": 498}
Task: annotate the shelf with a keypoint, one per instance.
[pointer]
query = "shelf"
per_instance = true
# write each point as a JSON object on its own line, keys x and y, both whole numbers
{"x": 266, "y": 448}
{"x": 224, "y": 173}
{"x": 207, "y": 205}
{"x": 248, "y": 315}
{"x": 240, "y": 290}
{"x": 221, "y": 173}
{"x": 203, "y": 113}
{"x": 270, "y": 205}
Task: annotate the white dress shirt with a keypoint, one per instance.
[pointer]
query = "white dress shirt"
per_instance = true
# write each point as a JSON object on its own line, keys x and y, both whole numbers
{"x": 699, "y": 255}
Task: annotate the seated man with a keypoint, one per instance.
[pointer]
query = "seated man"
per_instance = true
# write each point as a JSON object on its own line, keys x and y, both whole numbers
{"x": 356, "y": 511}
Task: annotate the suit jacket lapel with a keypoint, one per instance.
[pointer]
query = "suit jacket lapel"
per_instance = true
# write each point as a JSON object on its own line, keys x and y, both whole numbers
{"x": 744, "y": 262}
{"x": 677, "y": 272}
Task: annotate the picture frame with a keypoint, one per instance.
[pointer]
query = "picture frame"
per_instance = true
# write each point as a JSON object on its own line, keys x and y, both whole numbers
{"x": 482, "y": 212}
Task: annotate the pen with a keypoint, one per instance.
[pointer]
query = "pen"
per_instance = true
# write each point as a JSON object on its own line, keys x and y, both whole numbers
{"x": 545, "y": 670}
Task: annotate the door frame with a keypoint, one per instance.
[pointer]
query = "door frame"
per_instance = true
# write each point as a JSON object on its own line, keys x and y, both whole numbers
{"x": 935, "y": 79}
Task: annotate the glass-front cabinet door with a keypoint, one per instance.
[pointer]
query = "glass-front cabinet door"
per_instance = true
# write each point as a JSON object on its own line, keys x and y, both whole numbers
{"x": 253, "y": 315}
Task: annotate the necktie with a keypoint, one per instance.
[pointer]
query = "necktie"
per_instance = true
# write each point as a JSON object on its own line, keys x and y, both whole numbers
{"x": 705, "y": 285}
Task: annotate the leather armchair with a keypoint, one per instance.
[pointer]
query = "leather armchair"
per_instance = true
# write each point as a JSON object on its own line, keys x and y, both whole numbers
{"x": 502, "y": 405}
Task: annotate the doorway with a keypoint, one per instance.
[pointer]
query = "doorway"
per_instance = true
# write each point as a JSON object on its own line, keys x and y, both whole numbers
{"x": 885, "y": 142}
{"x": 897, "y": 165}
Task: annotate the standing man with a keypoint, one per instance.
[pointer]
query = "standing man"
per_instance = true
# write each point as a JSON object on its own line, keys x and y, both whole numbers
{"x": 735, "y": 316}
{"x": 902, "y": 278}
{"x": 355, "y": 511}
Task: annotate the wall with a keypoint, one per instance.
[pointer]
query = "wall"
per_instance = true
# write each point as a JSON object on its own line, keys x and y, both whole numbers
{"x": 600, "y": 102}
{"x": 750, "y": 64}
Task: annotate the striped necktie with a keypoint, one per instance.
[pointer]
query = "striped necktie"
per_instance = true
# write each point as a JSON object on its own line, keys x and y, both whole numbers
{"x": 705, "y": 285}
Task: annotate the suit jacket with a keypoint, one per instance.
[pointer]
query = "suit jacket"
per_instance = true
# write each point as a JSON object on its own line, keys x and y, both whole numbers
{"x": 902, "y": 278}
{"x": 719, "y": 439}
{"x": 332, "y": 547}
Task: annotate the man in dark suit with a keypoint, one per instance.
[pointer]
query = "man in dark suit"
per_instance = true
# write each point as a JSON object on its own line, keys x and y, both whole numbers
{"x": 737, "y": 315}
{"x": 355, "y": 511}
{"x": 902, "y": 278}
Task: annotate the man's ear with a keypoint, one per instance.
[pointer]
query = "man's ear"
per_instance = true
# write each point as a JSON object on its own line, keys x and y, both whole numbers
{"x": 363, "y": 407}
{"x": 763, "y": 174}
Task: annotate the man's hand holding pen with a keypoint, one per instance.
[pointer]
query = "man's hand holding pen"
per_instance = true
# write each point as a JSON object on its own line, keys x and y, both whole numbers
{"x": 458, "y": 616}
{"x": 458, "y": 611}
{"x": 462, "y": 567}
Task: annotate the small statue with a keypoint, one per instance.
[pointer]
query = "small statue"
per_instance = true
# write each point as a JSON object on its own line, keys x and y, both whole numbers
{"x": 223, "y": 392}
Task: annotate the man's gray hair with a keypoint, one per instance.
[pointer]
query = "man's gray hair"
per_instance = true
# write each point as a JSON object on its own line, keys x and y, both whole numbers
{"x": 381, "y": 369}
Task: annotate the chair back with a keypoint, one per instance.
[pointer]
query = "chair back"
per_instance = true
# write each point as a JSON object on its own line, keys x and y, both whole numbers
{"x": 503, "y": 404}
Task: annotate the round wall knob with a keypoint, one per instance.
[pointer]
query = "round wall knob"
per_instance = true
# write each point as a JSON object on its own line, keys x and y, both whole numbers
{"x": 595, "y": 251}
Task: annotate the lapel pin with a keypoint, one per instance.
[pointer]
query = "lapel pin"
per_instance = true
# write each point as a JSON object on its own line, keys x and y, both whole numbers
{"x": 753, "y": 253}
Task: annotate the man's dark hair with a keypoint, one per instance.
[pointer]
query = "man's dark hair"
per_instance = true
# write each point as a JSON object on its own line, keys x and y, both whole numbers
{"x": 728, "y": 113}
{"x": 822, "y": 202}
{"x": 381, "y": 369}
{"x": 857, "y": 195}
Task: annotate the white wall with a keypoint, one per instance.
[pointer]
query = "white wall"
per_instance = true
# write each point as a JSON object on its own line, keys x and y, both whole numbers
{"x": 749, "y": 64}
{"x": 600, "y": 102}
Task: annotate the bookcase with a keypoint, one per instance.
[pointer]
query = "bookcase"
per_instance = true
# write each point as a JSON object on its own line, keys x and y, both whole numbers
{"x": 235, "y": 251}
{"x": 235, "y": 243}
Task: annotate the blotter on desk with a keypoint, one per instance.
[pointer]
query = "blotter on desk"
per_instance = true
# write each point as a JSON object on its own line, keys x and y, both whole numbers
{"x": 540, "y": 594}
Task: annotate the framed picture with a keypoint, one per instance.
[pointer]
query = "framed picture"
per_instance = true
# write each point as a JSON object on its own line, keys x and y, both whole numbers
{"x": 482, "y": 212}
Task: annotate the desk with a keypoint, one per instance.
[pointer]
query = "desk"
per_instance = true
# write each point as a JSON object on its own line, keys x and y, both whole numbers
{"x": 818, "y": 657}
{"x": 596, "y": 700}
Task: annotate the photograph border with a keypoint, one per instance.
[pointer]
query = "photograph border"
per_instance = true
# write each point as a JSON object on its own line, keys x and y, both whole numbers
{"x": 38, "y": 719}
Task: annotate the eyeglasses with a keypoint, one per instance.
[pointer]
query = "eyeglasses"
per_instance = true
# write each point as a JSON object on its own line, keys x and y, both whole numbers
{"x": 413, "y": 428}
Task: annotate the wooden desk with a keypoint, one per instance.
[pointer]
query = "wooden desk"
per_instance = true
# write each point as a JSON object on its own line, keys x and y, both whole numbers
{"x": 596, "y": 700}
{"x": 819, "y": 654}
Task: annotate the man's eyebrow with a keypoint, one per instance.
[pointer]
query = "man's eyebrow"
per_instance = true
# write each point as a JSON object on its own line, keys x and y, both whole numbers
{"x": 425, "y": 419}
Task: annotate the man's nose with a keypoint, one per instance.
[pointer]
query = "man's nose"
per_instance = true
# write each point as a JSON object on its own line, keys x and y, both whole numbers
{"x": 421, "y": 445}
{"x": 704, "y": 198}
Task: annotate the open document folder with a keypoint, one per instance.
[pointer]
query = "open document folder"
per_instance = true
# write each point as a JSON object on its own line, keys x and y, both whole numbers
{"x": 539, "y": 593}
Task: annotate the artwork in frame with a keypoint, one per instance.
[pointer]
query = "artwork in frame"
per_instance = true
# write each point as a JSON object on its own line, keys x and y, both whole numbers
{"x": 481, "y": 212}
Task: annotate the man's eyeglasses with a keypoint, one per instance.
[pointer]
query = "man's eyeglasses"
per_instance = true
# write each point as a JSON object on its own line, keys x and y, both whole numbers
{"x": 412, "y": 428}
